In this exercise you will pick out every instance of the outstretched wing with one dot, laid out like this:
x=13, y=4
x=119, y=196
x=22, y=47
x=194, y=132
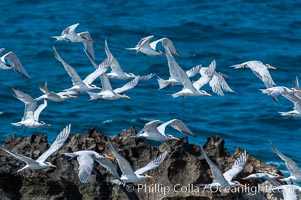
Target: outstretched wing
x=261, y=71
x=128, y=85
x=166, y=43
x=37, y=112
x=30, y=103
x=19, y=156
x=91, y=77
x=237, y=167
x=88, y=44
x=290, y=164
x=193, y=71
x=76, y=80
x=153, y=164
x=115, y=66
x=111, y=167
x=176, y=124
x=15, y=63
x=218, y=84
x=70, y=29
x=150, y=126
x=124, y=165
x=58, y=143
x=218, y=176
x=85, y=168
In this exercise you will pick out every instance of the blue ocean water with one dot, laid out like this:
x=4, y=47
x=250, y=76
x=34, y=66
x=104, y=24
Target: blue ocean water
x=230, y=32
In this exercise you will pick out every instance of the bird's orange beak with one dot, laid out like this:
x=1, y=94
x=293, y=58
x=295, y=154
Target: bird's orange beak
x=47, y=124
x=176, y=139
x=271, y=67
x=297, y=90
x=127, y=97
x=208, y=95
x=150, y=177
x=73, y=97
x=53, y=166
x=110, y=158
x=281, y=176
x=242, y=185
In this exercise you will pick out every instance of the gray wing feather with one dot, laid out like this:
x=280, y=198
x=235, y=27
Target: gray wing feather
x=88, y=45
x=290, y=164
x=176, y=124
x=30, y=103
x=57, y=144
x=153, y=164
x=85, y=167
x=76, y=80
x=16, y=64
x=37, y=112
x=128, y=85
x=193, y=71
x=216, y=172
x=111, y=167
x=237, y=167
x=124, y=165
x=19, y=156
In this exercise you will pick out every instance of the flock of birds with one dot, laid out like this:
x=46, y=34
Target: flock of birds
x=152, y=130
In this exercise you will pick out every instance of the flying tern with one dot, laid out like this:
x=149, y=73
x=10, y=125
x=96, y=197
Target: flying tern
x=260, y=70
x=276, y=91
x=52, y=96
x=154, y=132
x=173, y=79
x=295, y=172
x=116, y=71
x=80, y=85
x=216, y=80
x=180, y=74
x=40, y=162
x=264, y=176
x=130, y=176
x=289, y=192
x=69, y=34
x=108, y=93
x=86, y=159
x=225, y=179
x=31, y=112
x=295, y=98
x=145, y=47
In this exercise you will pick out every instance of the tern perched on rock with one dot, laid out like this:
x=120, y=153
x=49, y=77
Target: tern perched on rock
x=40, y=162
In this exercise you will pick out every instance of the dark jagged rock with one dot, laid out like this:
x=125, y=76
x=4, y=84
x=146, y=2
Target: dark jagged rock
x=176, y=178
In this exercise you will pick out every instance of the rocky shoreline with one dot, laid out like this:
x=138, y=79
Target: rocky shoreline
x=177, y=177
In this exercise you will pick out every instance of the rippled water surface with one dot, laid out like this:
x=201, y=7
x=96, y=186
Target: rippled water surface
x=231, y=33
